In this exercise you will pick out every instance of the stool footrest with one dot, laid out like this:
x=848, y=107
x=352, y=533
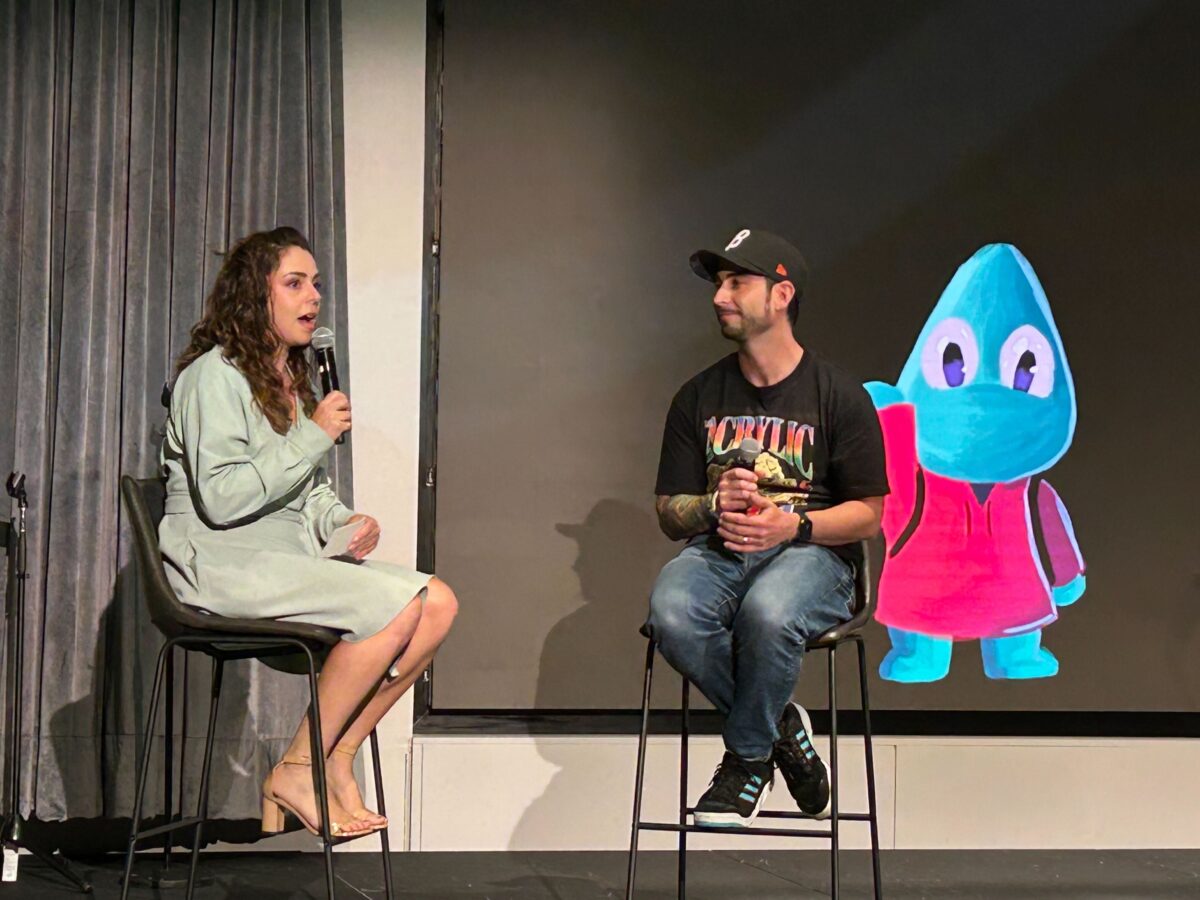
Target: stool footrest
x=163, y=829
x=842, y=817
x=345, y=838
x=733, y=829
x=783, y=814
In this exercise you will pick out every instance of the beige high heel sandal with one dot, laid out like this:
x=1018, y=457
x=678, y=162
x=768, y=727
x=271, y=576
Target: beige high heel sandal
x=273, y=807
x=362, y=813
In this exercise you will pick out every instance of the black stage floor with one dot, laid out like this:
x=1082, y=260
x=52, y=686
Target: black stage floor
x=713, y=875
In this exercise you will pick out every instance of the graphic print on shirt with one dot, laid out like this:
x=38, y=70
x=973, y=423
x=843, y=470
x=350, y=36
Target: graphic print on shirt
x=979, y=545
x=785, y=465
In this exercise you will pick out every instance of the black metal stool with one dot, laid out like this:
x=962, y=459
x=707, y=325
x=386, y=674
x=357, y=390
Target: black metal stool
x=864, y=606
x=290, y=647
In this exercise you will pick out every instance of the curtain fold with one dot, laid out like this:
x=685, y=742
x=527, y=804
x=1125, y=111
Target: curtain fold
x=138, y=139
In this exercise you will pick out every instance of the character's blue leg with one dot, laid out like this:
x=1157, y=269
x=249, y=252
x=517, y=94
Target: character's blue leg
x=1020, y=656
x=916, y=657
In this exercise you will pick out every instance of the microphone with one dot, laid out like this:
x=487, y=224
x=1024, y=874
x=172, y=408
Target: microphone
x=743, y=458
x=745, y=455
x=322, y=344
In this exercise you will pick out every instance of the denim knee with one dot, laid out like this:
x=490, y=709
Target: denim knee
x=669, y=618
x=766, y=620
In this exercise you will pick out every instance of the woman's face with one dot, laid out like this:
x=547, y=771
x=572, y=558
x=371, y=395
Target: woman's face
x=295, y=297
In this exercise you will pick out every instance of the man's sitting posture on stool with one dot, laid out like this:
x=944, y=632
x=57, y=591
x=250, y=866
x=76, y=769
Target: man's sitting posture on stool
x=771, y=548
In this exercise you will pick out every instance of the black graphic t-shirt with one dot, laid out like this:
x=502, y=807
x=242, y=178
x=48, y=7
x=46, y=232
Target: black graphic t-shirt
x=819, y=434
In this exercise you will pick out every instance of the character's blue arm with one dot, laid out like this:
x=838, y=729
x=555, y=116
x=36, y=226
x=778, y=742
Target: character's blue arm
x=1066, y=594
x=883, y=394
x=1068, y=576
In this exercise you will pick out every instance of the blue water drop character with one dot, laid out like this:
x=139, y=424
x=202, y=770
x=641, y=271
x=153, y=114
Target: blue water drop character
x=979, y=545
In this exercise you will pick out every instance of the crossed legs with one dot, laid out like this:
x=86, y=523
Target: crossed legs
x=355, y=691
x=736, y=627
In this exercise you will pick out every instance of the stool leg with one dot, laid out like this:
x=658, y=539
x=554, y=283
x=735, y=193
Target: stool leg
x=683, y=780
x=202, y=813
x=181, y=762
x=835, y=879
x=169, y=759
x=870, y=754
x=641, y=771
x=155, y=692
x=318, y=756
x=383, y=832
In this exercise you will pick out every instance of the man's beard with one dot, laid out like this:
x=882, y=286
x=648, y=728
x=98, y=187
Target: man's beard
x=734, y=332
x=741, y=329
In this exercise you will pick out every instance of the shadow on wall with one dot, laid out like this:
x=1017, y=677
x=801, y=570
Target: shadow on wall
x=619, y=556
x=620, y=553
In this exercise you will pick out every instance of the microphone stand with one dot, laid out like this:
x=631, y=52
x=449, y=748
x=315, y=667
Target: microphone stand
x=13, y=825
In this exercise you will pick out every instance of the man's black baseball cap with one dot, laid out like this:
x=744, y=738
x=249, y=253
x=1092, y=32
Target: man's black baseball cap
x=756, y=252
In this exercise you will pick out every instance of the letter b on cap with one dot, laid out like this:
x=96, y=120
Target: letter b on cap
x=738, y=238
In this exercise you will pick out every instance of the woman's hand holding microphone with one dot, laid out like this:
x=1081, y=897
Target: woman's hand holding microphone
x=333, y=414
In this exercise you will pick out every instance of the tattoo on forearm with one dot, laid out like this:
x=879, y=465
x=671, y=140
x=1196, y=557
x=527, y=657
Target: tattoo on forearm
x=684, y=515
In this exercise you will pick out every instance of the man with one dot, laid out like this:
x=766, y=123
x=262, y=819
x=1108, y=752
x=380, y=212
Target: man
x=772, y=470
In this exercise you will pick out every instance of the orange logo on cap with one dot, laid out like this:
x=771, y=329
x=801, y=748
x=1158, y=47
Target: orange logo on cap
x=781, y=270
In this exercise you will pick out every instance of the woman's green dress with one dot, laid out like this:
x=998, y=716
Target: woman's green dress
x=248, y=510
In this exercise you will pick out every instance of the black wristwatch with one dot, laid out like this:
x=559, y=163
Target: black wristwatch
x=804, y=530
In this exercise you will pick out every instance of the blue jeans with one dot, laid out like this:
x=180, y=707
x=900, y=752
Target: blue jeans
x=736, y=626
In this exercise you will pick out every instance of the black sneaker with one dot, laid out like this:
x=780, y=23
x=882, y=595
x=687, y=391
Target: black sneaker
x=806, y=775
x=736, y=792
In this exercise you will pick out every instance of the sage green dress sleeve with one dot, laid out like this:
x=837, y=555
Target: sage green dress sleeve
x=248, y=510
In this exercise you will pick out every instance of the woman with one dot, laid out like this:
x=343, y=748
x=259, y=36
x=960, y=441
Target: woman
x=249, y=507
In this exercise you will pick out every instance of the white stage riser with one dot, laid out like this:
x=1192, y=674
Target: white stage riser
x=575, y=793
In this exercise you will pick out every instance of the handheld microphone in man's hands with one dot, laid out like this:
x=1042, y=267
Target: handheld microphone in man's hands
x=743, y=458
x=745, y=455
x=322, y=344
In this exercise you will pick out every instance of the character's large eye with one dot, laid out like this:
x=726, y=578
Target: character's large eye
x=1027, y=362
x=950, y=357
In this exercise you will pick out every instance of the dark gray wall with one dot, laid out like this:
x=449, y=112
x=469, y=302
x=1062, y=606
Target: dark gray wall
x=590, y=147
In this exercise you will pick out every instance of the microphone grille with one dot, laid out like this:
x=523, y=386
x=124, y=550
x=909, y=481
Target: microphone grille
x=322, y=339
x=751, y=447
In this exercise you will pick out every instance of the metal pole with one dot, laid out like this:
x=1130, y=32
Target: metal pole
x=169, y=758
x=835, y=883
x=683, y=778
x=383, y=832
x=143, y=776
x=317, y=752
x=202, y=814
x=641, y=771
x=868, y=746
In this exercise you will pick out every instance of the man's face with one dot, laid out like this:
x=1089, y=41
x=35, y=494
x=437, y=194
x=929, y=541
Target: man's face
x=743, y=305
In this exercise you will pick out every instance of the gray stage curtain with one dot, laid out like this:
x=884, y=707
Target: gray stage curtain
x=138, y=139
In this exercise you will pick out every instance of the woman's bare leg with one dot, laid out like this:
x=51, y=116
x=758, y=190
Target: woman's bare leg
x=439, y=609
x=351, y=671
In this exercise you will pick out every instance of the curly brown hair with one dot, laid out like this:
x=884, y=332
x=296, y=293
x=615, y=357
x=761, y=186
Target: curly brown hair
x=237, y=318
